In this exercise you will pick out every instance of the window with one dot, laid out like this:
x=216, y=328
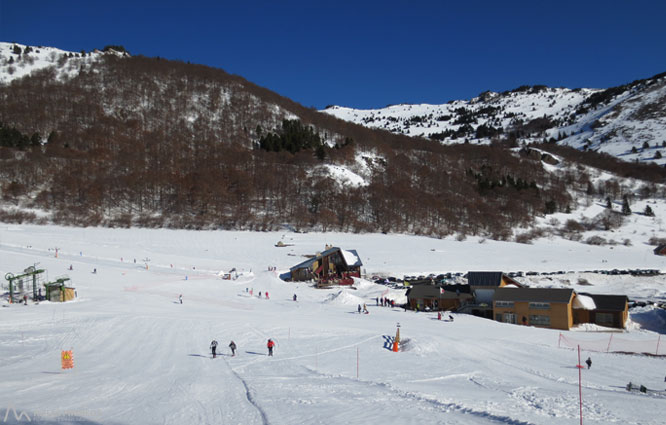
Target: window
x=503, y=303
x=604, y=319
x=540, y=306
x=539, y=320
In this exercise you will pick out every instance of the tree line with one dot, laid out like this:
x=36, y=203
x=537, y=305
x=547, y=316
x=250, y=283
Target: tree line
x=149, y=142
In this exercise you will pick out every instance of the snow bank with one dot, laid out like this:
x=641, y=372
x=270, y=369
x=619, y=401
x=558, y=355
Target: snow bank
x=650, y=318
x=343, y=297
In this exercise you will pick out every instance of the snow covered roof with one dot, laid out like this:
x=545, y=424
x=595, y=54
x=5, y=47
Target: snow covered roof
x=351, y=258
x=584, y=302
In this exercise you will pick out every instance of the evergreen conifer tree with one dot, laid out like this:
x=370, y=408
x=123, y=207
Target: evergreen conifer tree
x=625, y=206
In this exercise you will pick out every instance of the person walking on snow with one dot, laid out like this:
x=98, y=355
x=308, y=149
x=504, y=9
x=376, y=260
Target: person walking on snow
x=588, y=362
x=232, y=345
x=359, y=309
x=180, y=298
x=213, y=347
x=295, y=297
x=270, y=346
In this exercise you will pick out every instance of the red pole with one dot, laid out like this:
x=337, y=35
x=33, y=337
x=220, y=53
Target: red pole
x=580, y=386
x=656, y=353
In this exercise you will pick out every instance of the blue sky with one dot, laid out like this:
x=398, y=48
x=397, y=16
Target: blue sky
x=368, y=54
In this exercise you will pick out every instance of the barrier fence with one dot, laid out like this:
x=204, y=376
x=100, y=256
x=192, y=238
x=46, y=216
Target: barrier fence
x=614, y=344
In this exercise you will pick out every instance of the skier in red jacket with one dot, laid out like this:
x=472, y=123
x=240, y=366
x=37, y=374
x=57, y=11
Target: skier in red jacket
x=270, y=346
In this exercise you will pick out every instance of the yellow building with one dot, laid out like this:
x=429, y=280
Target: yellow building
x=543, y=307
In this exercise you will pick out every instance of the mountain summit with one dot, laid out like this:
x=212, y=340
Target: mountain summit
x=628, y=121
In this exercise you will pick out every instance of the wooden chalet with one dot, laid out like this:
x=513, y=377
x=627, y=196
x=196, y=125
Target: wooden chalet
x=333, y=266
x=543, y=307
x=438, y=297
x=611, y=311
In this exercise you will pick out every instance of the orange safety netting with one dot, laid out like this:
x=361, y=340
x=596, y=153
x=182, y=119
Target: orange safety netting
x=614, y=344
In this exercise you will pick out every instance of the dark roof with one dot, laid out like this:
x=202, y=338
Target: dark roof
x=421, y=291
x=659, y=249
x=484, y=278
x=463, y=289
x=305, y=264
x=550, y=295
x=308, y=263
x=435, y=291
x=609, y=302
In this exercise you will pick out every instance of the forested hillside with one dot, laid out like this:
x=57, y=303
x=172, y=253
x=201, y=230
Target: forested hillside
x=136, y=141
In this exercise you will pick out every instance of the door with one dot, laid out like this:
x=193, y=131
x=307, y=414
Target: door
x=510, y=318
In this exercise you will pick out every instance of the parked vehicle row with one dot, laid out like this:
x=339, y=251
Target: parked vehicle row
x=443, y=277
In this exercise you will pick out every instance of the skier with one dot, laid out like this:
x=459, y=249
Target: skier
x=270, y=346
x=365, y=309
x=450, y=318
x=259, y=294
x=232, y=345
x=359, y=309
x=266, y=293
x=70, y=267
x=295, y=297
x=588, y=362
x=94, y=271
x=439, y=315
x=213, y=347
x=376, y=300
x=180, y=298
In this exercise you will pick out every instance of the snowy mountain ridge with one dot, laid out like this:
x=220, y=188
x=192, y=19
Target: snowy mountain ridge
x=19, y=60
x=628, y=121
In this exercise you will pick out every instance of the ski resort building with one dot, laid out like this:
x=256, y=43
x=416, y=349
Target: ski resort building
x=438, y=297
x=611, y=311
x=333, y=266
x=543, y=307
x=483, y=286
x=58, y=292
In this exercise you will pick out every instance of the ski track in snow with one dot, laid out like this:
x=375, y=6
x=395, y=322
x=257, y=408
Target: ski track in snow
x=141, y=357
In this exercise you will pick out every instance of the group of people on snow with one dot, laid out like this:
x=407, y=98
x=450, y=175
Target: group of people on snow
x=232, y=346
x=385, y=302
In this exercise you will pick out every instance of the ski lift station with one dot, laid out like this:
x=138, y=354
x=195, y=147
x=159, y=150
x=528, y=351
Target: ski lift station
x=31, y=284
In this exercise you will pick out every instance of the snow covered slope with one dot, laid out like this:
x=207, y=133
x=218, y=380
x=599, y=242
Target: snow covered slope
x=618, y=121
x=140, y=357
x=18, y=60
